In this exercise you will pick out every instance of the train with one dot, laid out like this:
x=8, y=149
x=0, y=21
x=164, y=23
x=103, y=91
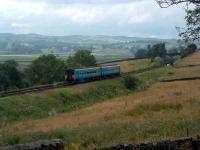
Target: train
x=92, y=73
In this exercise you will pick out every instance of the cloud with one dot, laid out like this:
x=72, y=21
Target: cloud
x=84, y=1
x=111, y=17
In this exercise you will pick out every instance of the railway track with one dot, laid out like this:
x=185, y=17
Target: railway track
x=64, y=84
x=60, y=85
x=33, y=89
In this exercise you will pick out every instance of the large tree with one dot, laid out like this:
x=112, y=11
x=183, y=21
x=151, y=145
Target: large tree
x=46, y=69
x=167, y=3
x=157, y=50
x=81, y=58
x=10, y=77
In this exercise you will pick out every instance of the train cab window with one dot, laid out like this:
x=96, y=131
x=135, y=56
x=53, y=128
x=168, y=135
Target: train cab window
x=69, y=75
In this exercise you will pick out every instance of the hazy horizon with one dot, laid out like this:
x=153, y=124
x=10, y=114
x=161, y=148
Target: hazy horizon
x=176, y=38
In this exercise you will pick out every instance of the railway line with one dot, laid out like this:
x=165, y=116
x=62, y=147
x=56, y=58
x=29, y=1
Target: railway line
x=64, y=84
x=61, y=84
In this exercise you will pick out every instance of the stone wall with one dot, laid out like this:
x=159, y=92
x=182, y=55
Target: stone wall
x=39, y=145
x=181, y=144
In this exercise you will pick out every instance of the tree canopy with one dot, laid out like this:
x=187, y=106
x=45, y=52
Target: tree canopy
x=45, y=70
x=157, y=50
x=192, y=31
x=81, y=58
x=167, y=3
x=189, y=50
x=10, y=77
x=141, y=53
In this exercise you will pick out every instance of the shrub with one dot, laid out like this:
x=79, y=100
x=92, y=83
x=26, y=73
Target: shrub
x=131, y=82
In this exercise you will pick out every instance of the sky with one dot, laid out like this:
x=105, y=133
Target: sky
x=138, y=18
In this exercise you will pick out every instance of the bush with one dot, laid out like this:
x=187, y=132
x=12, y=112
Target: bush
x=158, y=62
x=131, y=82
x=189, y=50
x=141, y=53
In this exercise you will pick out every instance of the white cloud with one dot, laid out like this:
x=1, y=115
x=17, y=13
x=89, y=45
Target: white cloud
x=10, y=7
x=124, y=17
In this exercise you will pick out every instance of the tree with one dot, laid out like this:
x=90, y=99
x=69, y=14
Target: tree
x=81, y=58
x=167, y=3
x=157, y=50
x=189, y=50
x=46, y=69
x=10, y=77
x=192, y=32
x=141, y=53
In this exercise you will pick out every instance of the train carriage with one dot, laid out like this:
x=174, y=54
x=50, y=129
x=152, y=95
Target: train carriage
x=87, y=73
x=91, y=73
x=72, y=75
x=112, y=70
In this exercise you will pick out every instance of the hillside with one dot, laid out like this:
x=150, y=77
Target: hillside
x=34, y=43
x=25, y=48
x=106, y=113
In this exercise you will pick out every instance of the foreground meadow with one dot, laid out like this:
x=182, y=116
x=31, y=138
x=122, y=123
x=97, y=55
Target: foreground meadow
x=95, y=115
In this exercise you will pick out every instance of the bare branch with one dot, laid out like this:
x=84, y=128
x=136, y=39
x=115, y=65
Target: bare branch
x=167, y=3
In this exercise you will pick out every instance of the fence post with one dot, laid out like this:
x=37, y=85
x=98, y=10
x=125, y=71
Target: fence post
x=187, y=132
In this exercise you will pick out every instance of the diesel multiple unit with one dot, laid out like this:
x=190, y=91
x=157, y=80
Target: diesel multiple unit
x=91, y=73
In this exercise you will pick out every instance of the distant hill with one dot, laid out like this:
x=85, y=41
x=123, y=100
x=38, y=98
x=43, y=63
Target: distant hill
x=37, y=44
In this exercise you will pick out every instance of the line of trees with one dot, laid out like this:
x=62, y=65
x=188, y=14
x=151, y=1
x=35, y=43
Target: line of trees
x=46, y=69
x=159, y=51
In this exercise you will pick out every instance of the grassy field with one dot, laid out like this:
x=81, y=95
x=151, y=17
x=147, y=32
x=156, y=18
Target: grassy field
x=96, y=117
x=39, y=105
x=101, y=56
x=135, y=65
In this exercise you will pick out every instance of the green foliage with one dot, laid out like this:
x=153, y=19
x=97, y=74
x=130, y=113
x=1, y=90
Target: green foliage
x=45, y=70
x=10, y=75
x=81, y=58
x=192, y=18
x=189, y=50
x=131, y=82
x=157, y=50
x=59, y=100
x=62, y=100
x=158, y=62
x=141, y=53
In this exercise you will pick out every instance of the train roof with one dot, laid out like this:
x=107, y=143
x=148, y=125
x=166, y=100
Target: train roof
x=91, y=67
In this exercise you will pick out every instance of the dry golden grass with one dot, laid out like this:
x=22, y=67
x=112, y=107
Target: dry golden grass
x=194, y=59
x=161, y=92
x=133, y=65
x=164, y=110
x=185, y=72
x=187, y=67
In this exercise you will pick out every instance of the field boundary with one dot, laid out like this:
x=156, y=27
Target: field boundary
x=181, y=79
x=179, y=144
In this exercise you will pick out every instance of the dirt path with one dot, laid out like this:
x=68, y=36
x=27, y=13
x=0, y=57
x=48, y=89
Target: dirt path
x=165, y=92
